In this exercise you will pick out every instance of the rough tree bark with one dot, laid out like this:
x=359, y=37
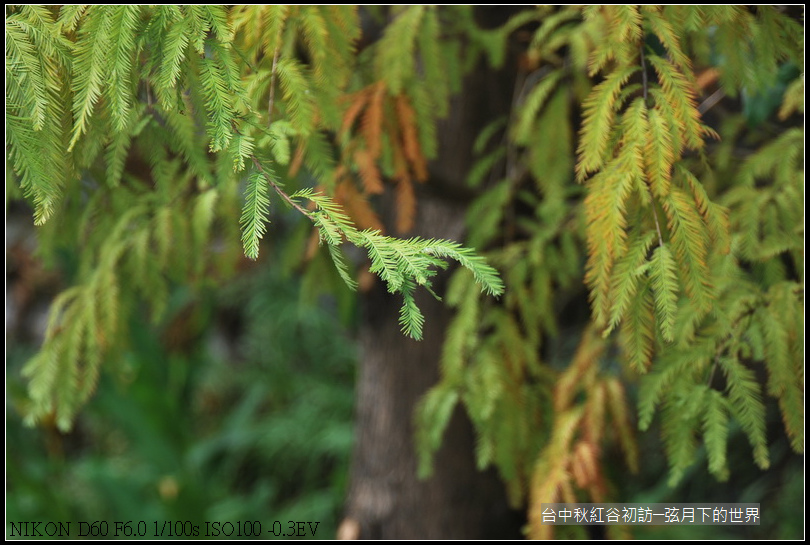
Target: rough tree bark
x=386, y=500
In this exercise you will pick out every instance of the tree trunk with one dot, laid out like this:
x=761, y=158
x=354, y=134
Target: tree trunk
x=386, y=499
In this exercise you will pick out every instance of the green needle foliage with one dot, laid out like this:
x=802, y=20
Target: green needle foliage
x=692, y=256
x=672, y=207
x=402, y=264
x=131, y=129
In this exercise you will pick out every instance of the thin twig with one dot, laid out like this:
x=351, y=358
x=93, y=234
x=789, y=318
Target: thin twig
x=709, y=103
x=644, y=90
x=643, y=73
x=657, y=225
x=278, y=189
x=272, y=87
x=518, y=92
x=711, y=375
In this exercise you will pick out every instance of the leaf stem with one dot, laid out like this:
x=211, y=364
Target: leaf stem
x=644, y=90
x=643, y=72
x=711, y=375
x=272, y=97
x=278, y=189
x=655, y=217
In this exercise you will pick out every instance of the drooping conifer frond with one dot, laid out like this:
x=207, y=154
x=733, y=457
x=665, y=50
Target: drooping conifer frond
x=395, y=60
x=219, y=101
x=599, y=116
x=296, y=92
x=664, y=284
x=140, y=82
x=37, y=64
x=255, y=212
x=90, y=69
x=134, y=130
x=663, y=233
x=402, y=264
x=747, y=406
x=119, y=92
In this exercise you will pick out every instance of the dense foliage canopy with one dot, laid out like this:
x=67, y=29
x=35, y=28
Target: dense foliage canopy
x=653, y=157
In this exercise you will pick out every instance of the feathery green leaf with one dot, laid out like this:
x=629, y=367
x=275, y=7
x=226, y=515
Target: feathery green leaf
x=664, y=283
x=255, y=212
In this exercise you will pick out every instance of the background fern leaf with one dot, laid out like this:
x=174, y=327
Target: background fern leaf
x=296, y=93
x=395, y=54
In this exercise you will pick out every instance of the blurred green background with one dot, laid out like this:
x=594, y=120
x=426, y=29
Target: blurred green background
x=220, y=412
